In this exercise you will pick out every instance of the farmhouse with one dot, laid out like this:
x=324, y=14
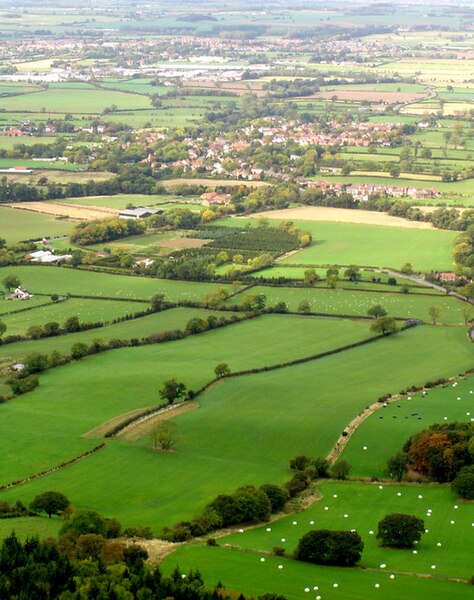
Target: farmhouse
x=19, y=294
x=138, y=213
x=447, y=277
x=213, y=198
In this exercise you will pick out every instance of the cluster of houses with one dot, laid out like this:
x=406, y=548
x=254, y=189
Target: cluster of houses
x=223, y=157
x=362, y=191
x=305, y=134
x=215, y=199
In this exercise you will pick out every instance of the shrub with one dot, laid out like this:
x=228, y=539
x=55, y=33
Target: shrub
x=463, y=484
x=277, y=496
x=79, y=350
x=141, y=532
x=279, y=551
x=340, y=470
x=325, y=547
x=85, y=521
x=22, y=385
x=36, y=362
x=300, y=463
x=321, y=465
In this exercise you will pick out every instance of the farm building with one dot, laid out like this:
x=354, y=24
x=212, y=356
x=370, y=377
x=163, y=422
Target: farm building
x=212, y=198
x=19, y=294
x=138, y=213
x=46, y=256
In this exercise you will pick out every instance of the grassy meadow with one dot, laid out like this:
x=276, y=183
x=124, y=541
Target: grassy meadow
x=64, y=280
x=357, y=303
x=243, y=570
x=303, y=406
x=371, y=245
x=115, y=392
x=17, y=225
x=87, y=311
x=365, y=505
x=175, y=318
x=399, y=420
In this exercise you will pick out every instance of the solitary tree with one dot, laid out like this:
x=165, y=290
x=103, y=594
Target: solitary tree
x=332, y=280
x=172, y=390
x=3, y=328
x=164, y=435
x=407, y=269
x=377, y=311
x=400, y=531
x=222, y=369
x=52, y=503
x=10, y=282
x=325, y=547
x=435, y=312
x=384, y=325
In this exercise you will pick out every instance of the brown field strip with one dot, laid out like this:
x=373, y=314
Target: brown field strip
x=342, y=215
x=371, y=96
x=147, y=425
x=75, y=212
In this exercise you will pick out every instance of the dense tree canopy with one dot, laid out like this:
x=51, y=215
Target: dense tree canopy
x=326, y=547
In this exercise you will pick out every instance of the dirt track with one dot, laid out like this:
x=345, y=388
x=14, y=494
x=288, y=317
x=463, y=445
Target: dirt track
x=342, y=215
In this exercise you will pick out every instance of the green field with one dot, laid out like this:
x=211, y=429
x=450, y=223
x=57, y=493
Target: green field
x=88, y=311
x=307, y=418
x=395, y=423
x=30, y=526
x=366, y=505
x=294, y=272
x=63, y=280
x=17, y=225
x=344, y=243
x=243, y=571
x=175, y=318
x=349, y=506
x=346, y=302
x=82, y=101
x=116, y=393
x=371, y=245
